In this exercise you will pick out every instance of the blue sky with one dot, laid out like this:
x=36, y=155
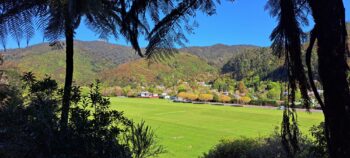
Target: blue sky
x=241, y=22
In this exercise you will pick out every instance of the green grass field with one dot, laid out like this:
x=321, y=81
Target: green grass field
x=188, y=130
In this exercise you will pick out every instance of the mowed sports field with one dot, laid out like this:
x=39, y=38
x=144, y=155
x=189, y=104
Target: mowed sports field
x=188, y=130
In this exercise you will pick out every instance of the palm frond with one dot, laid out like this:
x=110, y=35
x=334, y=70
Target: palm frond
x=16, y=19
x=287, y=38
x=168, y=32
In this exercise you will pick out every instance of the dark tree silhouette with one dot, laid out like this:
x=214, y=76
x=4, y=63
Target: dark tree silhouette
x=286, y=39
x=331, y=35
x=60, y=18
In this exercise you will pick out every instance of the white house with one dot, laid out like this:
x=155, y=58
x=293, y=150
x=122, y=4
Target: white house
x=145, y=94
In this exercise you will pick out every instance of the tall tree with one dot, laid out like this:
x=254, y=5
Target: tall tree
x=331, y=35
x=60, y=18
x=286, y=39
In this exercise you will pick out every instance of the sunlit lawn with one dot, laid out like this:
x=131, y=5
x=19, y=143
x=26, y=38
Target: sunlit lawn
x=188, y=130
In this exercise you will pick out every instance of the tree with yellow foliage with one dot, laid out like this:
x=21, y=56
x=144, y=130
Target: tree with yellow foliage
x=205, y=97
x=224, y=98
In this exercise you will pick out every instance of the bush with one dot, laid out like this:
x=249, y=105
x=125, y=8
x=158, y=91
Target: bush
x=118, y=91
x=245, y=100
x=205, y=97
x=142, y=142
x=320, y=141
x=131, y=94
x=233, y=149
x=108, y=92
x=192, y=96
x=189, y=96
x=216, y=98
x=264, y=102
x=259, y=148
x=31, y=128
x=182, y=95
x=224, y=98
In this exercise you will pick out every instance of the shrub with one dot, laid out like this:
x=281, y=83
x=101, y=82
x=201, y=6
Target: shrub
x=108, y=92
x=241, y=87
x=224, y=98
x=142, y=142
x=181, y=88
x=189, y=96
x=216, y=98
x=205, y=97
x=182, y=95
x=31, y=128
x=35, y=125
x=126, y=90
x=192, y=96
x=245, y=100
x=264, y=102
x=259, y=148
x=242, y=147
x=320, y=141
x=118, y=91
x=131, y=93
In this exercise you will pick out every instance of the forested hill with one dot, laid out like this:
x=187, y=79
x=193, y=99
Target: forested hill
x=98, y=59
x=219, y=54
x=90, y=59
x=182, y=66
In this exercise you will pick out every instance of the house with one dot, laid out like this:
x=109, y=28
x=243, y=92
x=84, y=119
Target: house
x=145, y=94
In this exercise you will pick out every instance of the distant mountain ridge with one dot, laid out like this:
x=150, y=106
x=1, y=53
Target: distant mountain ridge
x=219, y=54
x=95, y=58
x=99, y=59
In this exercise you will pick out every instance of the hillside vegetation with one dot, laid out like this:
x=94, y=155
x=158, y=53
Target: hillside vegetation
x=219, y=54
x=115, y=64
x=181, y=66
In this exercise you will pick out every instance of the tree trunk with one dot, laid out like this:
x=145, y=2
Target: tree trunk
x=68, y=79
x=329, y=18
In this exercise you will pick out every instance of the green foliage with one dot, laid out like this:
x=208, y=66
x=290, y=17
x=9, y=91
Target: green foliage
x=233, y=149
x=142, y=141
x=224, y=83
x=118, y=65
x=32, y=127
x=35, y=125
x=274, y=94
x=258, y=62
x=182, y=88
x=126, y=90
x=216, y=98
x=218, y=55
x=320, y=141
x=260, y=148
x=264, y=102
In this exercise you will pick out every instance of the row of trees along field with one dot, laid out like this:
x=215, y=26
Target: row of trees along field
x=223, y=89
x=59, y=19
